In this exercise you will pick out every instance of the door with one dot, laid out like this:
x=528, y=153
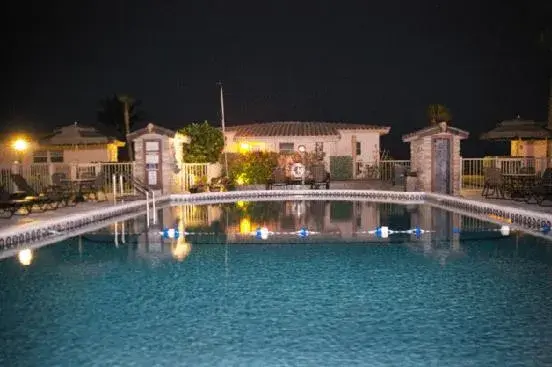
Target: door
x=441, y=165
x=152, y=151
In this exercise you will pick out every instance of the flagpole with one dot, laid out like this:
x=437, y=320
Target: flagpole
x=222, y=124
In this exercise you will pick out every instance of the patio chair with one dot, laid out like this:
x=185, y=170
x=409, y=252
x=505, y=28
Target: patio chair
x=63, y=189
x=542, y=190
x=94, y=188
x=219, y=184
x=278, y=178
x=319, y=177
x=493, y=182
x=44, y=201
x=10, y=205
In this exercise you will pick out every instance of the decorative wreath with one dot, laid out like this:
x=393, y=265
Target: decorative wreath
x=298, y=170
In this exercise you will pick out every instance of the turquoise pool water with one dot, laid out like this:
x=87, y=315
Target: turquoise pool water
x=336, y=298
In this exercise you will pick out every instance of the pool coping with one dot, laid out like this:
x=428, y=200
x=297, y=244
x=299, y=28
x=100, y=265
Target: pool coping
x=42, y=232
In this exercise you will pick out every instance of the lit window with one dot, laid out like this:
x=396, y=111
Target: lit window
x=56, y=156
x=40, y=156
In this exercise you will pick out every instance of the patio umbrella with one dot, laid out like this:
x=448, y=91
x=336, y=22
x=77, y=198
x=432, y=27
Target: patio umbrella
x=76, y=134
x=518, y=129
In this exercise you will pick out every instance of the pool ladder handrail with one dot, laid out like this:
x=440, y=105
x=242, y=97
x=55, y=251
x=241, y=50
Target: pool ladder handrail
x=137, y=185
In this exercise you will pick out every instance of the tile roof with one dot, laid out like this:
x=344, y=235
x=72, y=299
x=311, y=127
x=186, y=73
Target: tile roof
x=299, y=128
x=76, y=134
x=436, y=129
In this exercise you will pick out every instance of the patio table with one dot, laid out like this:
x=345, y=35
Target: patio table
x=78, y=184
x=519, y=185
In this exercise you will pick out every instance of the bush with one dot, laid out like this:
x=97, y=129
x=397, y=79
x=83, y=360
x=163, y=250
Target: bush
x=251, y=168
x=206, y=143
x=341, y=167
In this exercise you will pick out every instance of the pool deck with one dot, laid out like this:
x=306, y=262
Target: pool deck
x=21, y=221
x=476, y=195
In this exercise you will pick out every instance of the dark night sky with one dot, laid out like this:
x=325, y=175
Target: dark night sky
x=382, y=62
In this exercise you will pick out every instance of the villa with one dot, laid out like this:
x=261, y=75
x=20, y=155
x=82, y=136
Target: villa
x=68, y=144
x=361, y=142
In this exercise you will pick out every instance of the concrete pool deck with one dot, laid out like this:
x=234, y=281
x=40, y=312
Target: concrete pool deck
x=21, y=221
x=38, y=229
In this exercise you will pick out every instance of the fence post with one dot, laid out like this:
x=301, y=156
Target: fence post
x=114, y=182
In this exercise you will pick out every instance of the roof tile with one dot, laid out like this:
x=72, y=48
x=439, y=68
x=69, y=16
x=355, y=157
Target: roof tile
x=299, y=128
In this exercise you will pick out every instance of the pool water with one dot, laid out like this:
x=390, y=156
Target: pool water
x=330, y=301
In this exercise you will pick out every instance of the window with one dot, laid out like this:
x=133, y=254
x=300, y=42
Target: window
x=286, y=148
x=40, y=156
x=319, y=150
x=56, y=156
x=358, y=148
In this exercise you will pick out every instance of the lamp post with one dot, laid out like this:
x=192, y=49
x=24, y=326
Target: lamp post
x=20, y=146
x=302, y=150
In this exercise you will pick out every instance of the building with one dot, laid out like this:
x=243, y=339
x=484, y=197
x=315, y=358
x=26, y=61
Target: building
x=527, y=138
x=74, y=143
x=360, y=142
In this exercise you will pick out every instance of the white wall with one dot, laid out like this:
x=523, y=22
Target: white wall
x=333, y=145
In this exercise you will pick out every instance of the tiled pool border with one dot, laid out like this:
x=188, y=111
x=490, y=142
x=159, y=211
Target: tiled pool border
x=19, y=236
x=16, y=237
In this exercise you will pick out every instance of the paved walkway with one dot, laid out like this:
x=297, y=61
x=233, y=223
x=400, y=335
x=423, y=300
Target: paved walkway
x=21, y=220
x=476, y=195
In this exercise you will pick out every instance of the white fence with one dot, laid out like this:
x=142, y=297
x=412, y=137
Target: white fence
x=473, y=169
x=190, y=174
x=39, y=175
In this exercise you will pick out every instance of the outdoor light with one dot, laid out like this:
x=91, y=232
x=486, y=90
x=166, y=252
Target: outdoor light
x=244, y=147
x=25, y=257
x=302, y=148
x=20, y=145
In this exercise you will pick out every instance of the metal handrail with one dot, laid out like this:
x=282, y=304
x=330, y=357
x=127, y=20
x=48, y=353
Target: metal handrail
x=142, y=187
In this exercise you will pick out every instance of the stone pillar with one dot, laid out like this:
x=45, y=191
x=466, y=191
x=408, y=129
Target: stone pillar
x=353, y=153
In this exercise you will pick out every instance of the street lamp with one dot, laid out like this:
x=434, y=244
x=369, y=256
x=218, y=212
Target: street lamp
x=302, y=150
x=20, y=145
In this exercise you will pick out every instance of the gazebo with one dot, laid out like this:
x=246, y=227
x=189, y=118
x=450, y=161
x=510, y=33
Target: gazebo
x=527, y=137
x=79, y=143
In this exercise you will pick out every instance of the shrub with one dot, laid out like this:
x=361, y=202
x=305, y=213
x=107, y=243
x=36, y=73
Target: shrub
x=341, y=167
x=251, y=168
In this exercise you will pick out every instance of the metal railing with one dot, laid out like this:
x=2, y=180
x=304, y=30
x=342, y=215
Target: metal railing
x=190, y=174
x=473, y=169
x=39, y=175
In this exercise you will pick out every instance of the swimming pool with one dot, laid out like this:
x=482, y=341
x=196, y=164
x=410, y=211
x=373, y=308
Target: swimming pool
x=339, y=294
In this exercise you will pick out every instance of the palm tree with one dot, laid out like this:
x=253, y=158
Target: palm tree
x=438, y=113
x=120, y=113
x=545, y=42
x=127, y=101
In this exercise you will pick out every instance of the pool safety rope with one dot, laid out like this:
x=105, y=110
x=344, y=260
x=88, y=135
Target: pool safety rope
x=264, y=233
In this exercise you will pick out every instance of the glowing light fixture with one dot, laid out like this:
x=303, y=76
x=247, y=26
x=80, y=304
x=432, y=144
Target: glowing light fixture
x=245, y=147
x=20, y=145
x=302, y=148
x=245, y=226
x=25, y=257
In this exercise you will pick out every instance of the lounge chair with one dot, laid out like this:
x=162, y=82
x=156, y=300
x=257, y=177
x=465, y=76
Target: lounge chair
x=94, y=188
x=51, y=199
x=319, y=177
x=10, y=205
x=278, y=178
x=542, y=189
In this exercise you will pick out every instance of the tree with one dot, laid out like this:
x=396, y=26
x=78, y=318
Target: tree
x=206, y=143
x=438, y=113
x=127, y=101
x=120, y=113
